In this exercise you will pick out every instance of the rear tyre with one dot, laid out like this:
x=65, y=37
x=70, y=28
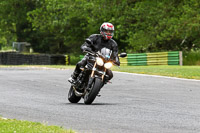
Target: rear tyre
x=95, y=88
x=72, y=97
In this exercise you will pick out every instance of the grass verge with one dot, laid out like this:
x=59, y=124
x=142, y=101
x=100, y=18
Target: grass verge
x=189, y=72
x=40, y=66
x=17, y=126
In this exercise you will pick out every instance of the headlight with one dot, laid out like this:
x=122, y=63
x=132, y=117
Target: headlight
x=108, y=65
x=99, y=61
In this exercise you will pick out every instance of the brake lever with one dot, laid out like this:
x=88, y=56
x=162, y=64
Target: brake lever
x=115, y=64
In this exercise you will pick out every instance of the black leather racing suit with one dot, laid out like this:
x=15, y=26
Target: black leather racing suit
x=97, y=43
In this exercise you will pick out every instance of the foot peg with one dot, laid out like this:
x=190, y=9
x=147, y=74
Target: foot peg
x=71, y=80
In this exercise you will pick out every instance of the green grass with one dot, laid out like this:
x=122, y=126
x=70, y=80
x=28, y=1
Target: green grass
x=18, y=126
x=41, y=66
x=189, y=72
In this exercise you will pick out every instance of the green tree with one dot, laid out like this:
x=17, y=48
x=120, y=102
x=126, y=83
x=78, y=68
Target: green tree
x=165, y=25
x=61, y=26
x=71, y=22
x=13, y=23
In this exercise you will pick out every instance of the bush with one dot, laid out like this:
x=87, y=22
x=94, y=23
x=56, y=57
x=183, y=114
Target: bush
x=191, y=58
x=74, y=59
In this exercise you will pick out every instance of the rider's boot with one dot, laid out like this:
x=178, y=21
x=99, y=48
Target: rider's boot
x=73, y=77
x=75, y=74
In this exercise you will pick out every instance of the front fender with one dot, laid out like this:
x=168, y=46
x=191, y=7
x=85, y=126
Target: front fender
x=93, y=92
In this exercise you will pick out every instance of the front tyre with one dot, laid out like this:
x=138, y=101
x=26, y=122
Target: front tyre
x=95, y=88
x=72, y=97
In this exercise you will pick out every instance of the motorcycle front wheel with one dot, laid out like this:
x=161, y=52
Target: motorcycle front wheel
x=72, y=96
x=94, y=90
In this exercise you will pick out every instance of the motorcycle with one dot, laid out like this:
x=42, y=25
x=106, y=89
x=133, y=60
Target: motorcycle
x=92, y=77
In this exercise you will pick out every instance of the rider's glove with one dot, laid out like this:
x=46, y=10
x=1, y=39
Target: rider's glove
x=87, y=49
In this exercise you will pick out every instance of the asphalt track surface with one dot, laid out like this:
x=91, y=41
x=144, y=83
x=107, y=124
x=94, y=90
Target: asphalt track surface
x=133, y=103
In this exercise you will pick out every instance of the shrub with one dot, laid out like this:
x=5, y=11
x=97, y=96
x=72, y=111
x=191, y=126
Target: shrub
x=191, y=58
x=74, y=59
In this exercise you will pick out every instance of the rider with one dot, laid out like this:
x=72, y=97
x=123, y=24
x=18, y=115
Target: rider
x=95, y=43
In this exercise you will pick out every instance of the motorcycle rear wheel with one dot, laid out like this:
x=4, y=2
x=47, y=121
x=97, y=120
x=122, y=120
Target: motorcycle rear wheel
x=72, y=96
x=95, y=88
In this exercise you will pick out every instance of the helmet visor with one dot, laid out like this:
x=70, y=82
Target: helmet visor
x=108, y=31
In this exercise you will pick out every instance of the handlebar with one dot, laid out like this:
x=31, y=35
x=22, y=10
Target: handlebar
x=93, y=53
x=98, y=54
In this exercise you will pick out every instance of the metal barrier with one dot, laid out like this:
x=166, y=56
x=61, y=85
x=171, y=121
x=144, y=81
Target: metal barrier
x=157, y=58
x=67, y=59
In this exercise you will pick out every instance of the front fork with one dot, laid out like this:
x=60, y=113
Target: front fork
x=93, y=69
x=92, y=76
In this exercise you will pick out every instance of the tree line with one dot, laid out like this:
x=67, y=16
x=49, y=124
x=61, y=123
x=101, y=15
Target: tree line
x=61, y=26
